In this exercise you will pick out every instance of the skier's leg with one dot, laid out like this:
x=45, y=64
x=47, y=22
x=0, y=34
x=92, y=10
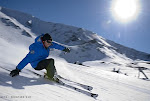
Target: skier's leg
x=51, y=69
x=42, y=64
x=47, y=64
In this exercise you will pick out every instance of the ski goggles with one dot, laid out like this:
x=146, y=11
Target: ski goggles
x=49, y=41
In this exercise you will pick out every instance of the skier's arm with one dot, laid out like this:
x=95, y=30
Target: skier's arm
x=57, y=46
x=30, y=57
x=25, y=61
x=21, y=65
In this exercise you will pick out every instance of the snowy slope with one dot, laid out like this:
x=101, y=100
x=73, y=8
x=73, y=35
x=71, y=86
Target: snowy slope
x=100, y=57
x=109, y=86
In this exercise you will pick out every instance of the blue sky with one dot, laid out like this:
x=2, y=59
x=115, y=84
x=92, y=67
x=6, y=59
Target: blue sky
x=94, y=15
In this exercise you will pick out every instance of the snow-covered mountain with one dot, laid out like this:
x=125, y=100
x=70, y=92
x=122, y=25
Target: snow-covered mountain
x=97, y=55
x=86, y=45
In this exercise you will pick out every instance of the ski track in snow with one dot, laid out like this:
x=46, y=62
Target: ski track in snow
x=123, y=84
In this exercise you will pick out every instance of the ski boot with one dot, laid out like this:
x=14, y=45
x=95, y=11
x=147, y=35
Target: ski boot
x=55, y=78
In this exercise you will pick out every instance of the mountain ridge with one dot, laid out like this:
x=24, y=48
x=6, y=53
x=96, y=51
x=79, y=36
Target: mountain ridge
x=85, y=45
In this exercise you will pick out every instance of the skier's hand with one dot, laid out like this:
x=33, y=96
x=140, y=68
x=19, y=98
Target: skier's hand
x=67, y=50
x=14, y=72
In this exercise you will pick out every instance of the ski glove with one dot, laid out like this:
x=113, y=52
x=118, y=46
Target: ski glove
x=67, y=50
x=14, y=72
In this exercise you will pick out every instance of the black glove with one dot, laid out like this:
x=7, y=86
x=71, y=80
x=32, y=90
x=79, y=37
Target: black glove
x=67, y=50
x=14, y=72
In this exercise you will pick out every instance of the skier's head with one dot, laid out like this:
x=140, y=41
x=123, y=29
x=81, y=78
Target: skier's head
x=46, y=37
x=47, y=40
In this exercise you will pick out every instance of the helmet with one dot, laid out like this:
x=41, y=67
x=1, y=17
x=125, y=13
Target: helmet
x=46, y=37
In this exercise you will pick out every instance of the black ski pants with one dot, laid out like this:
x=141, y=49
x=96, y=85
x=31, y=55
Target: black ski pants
x=47, y=64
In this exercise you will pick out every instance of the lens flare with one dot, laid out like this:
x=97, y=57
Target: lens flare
x=125, y=10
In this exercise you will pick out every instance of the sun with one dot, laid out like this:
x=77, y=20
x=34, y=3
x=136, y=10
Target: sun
x=125, y=10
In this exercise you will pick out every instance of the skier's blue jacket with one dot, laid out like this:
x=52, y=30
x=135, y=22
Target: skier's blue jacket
x=37, y=52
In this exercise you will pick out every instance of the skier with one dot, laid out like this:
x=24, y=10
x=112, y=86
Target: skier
x=38, y=52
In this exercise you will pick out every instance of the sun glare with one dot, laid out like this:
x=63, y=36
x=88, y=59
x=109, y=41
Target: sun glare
x=125, y=10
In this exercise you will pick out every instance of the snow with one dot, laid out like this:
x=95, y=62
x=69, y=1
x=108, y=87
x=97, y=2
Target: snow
x=97, y=58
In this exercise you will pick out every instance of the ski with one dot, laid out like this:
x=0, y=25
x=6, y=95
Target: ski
x=79, y=90
x=81, y=85
x=68, y=86
x=89, y=88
